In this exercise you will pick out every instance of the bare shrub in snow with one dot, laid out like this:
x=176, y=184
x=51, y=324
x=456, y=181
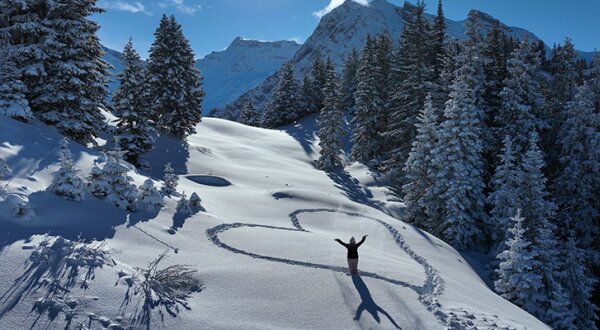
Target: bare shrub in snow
x=169, y=287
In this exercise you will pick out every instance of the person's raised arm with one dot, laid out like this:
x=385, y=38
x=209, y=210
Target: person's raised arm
x=362, y=240
x=340, y=241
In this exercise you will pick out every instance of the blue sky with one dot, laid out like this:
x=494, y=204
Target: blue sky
x=211, y=25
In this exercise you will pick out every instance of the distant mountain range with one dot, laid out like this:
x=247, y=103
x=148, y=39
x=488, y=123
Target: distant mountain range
x=248, y=69
x=347, y=27
x=243, y=65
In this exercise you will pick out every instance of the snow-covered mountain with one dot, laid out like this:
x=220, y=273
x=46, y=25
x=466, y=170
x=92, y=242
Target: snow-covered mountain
x=347, y=27
x=264, y=246
x=242, y=66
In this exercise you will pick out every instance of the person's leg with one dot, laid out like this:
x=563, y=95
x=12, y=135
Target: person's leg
x=352, y=266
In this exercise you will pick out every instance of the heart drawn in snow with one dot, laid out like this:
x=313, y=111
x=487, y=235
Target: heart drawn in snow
x=428, y=292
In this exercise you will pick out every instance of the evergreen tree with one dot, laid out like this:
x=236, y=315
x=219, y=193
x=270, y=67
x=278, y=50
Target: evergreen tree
x=418, y=166
x=169, y=185
x=183, y=206
x=578, y=179
x=74, y=83
x=249, y=115
x=316, y=84
x=13, y=102
x=562, y=90
x=5, y=172
x=438, y=43
x=149, y=195
x=111, y=182
x=366, y=142
x=517, y=281
x=579, y=283
x=285, y=103
x=331, y=123
x=593, y=80
x=457, y=189
x=496, y=71
x=66, y=183
x=521, y=98
x=533, y=192
x=503, y=199
x=349, y=79
x=408, y=96
x=21, y=28
x=175, y=82
x=133, y=135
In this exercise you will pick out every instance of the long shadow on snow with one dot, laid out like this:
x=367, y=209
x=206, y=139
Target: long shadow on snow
x=368, y=304
x=91, y=219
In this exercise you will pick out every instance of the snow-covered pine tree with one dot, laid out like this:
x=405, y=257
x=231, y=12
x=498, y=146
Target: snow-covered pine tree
x=149, y=195
x=331, y=123
x=66, y=182
x=249, y=115
x=349, y=72
x=551, y=304
x=438, y=42
x=562, y=90
x=495, y=72
x=5, y=172
x=74, y=85
x=578, y=282
x=578, y=178
x=532, y=187
x=418, y=166
x=593, y=79
x=408, y=95
x=366, y=140
x=517, y=281
x=521, y=99
x=285, y=103
x=316, y=83
x=183, y=206
x=21, y=26
x=504, y=200
x=383, y=58
x=112, y=183
x=13, y=102
x=457, y=189
x=174, y=81
x=134, y=133
x=170, y=180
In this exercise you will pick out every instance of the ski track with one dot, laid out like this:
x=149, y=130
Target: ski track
x=428, y=293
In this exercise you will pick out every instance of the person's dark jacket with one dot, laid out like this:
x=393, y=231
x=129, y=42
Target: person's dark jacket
x=352, y=248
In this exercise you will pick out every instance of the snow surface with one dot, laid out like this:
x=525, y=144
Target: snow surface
x=264, y=248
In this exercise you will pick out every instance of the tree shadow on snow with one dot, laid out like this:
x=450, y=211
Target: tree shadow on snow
x=353, y=189
x=167, y=149
x=368, y=304
x=304, y=132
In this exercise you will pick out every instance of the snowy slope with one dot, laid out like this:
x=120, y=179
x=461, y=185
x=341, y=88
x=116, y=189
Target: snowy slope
x=242, y=66
x=263, y=249
x=346, y=27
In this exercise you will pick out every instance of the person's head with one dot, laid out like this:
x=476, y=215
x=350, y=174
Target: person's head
x=352, y=240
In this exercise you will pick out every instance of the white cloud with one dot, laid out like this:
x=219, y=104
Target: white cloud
x=181, y=6
x=135, y=7
x=333, y=4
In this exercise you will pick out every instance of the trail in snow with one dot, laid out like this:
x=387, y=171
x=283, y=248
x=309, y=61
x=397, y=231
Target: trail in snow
x=428, y=293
